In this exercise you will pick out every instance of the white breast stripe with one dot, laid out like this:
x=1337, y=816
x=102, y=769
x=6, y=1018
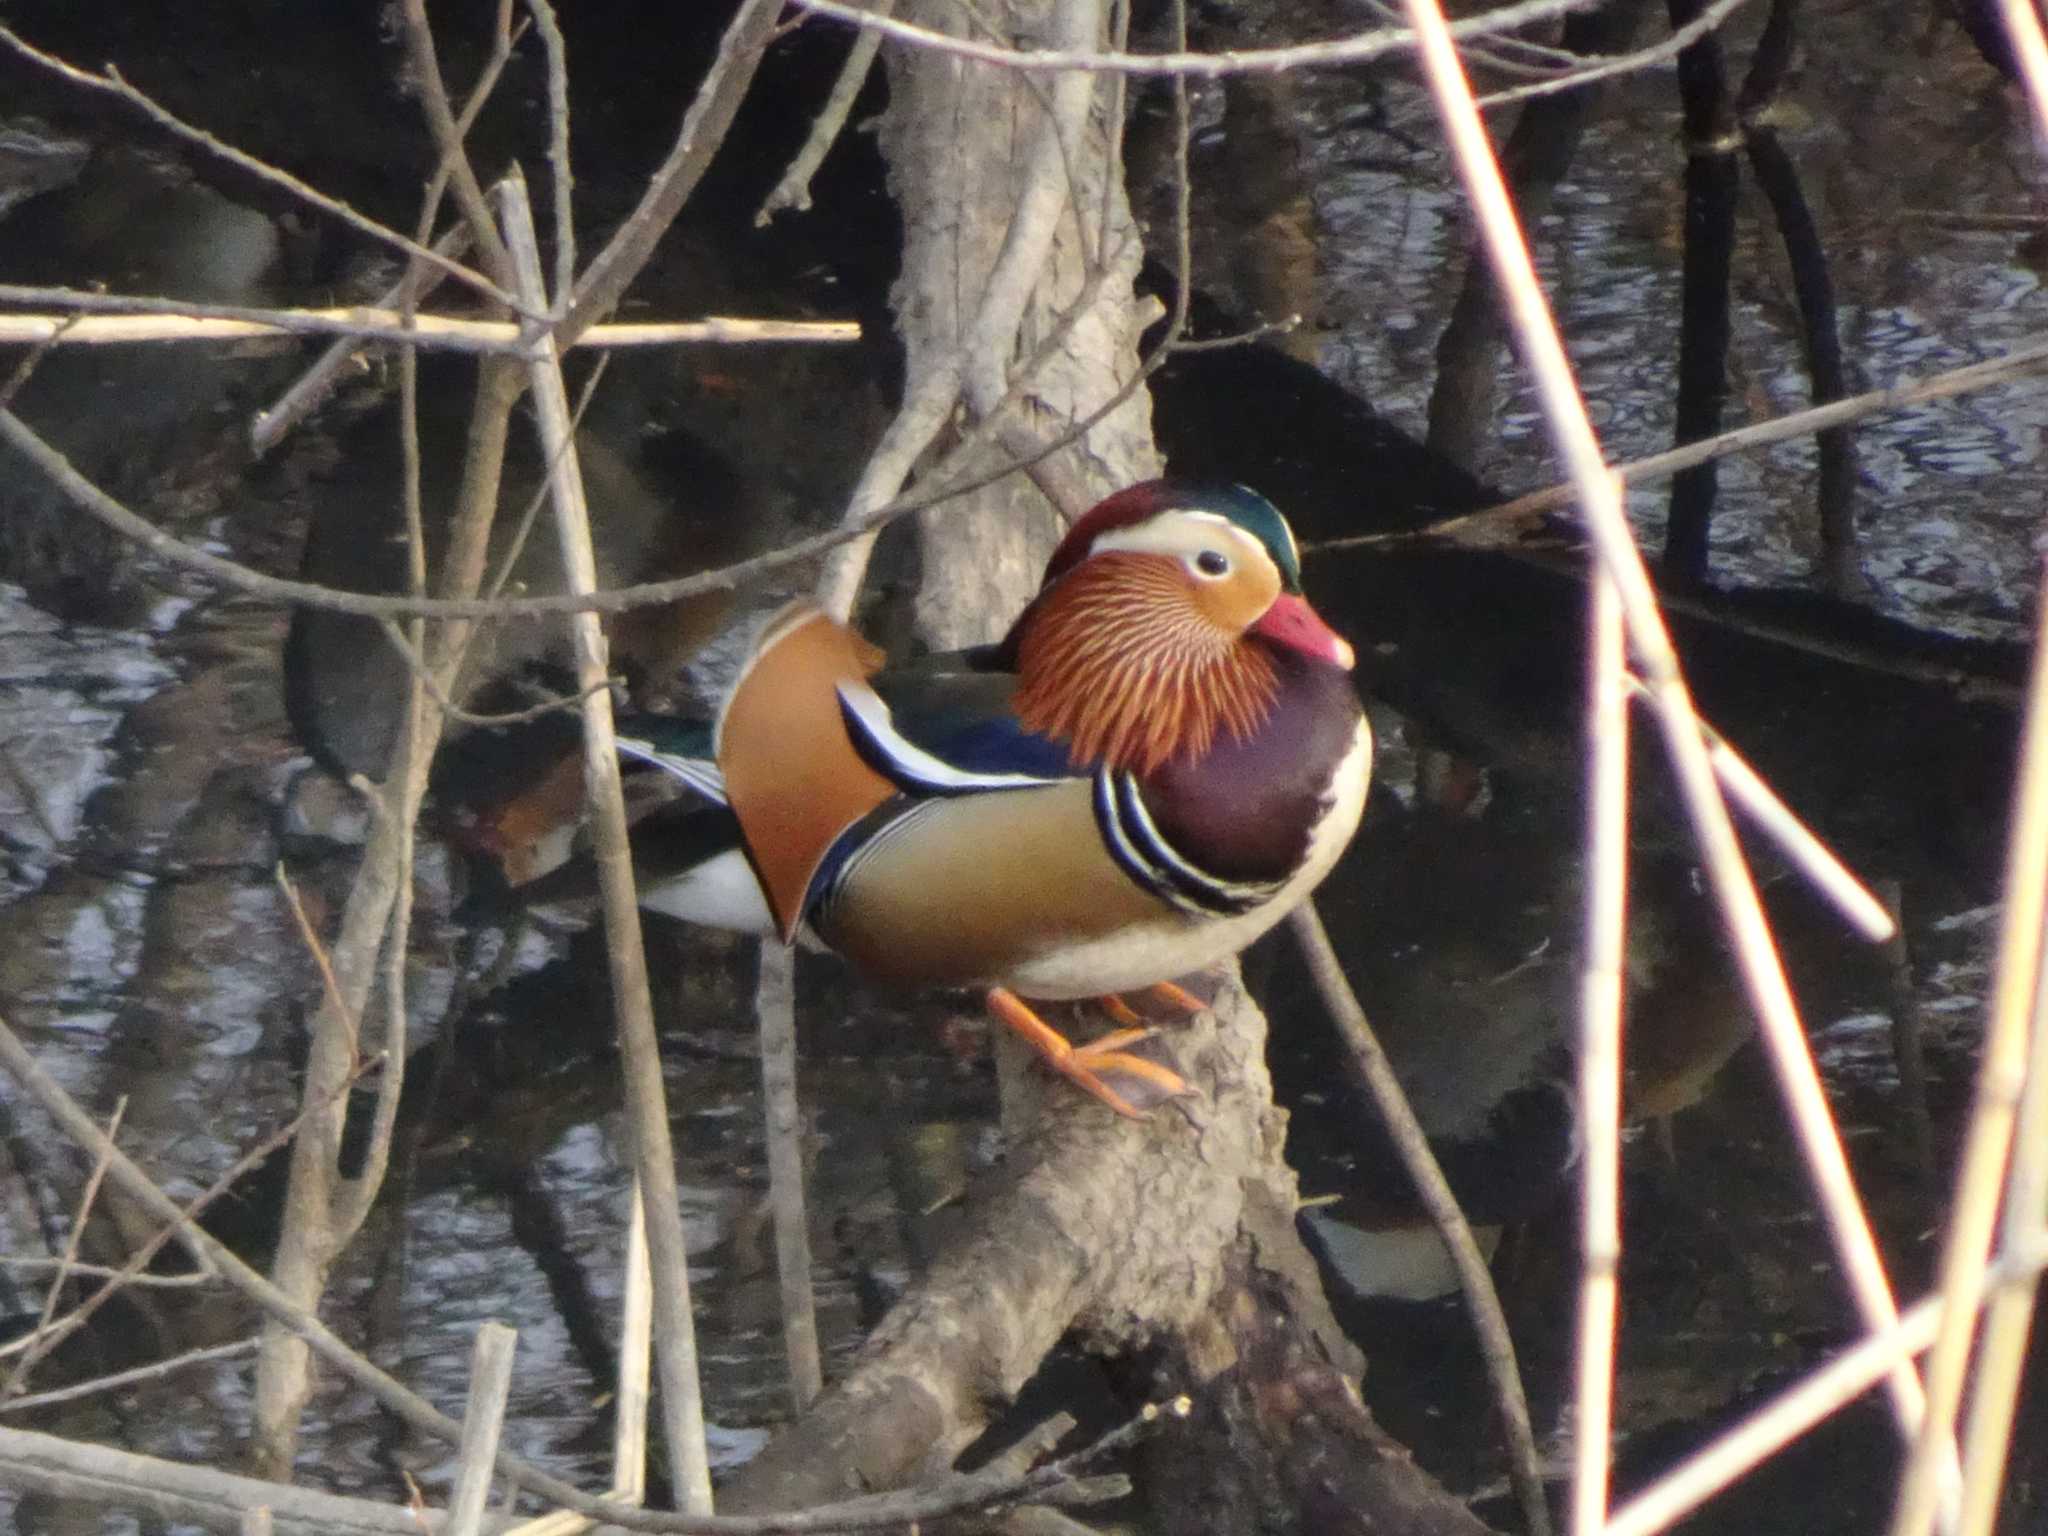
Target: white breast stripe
x=1209, y=893
x=868, y=718
x=699, y=773
x=1129, y=858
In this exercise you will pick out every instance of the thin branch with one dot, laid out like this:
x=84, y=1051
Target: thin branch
x=794, y=189
x=1635, y=62
x=1358, y=48
x=1794, y=424
x=1482, y=1302
x=561, y=174
x=113, y=85
x=432, y=92
x=155, y=1371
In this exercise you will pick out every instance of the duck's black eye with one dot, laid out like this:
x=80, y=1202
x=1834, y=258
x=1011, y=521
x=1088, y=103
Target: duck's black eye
x=1213, y=562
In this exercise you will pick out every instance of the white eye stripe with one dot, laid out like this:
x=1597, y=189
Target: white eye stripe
x=1185, y=535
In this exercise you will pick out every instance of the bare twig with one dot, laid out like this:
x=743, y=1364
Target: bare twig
x=775, y=1009
x=794, y=189
x=1482, y=1302
x=1583, y=74
x=1359, y=48
x=432, y=92
x=155, y=1371
x=561, y=175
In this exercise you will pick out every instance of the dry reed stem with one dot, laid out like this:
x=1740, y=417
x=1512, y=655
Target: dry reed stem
x=483, y=1418
x=1601, y=501
x=2003, y=1349
x=1482, y=1301
x=368, y=324
x=646, y=1101
x=2003, y=1352
x=1601, y=991
x=636, y=1341
x=1794, y=839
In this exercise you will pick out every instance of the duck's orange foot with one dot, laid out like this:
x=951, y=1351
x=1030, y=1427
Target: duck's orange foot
x=1165, y=996
x=1120, y=1068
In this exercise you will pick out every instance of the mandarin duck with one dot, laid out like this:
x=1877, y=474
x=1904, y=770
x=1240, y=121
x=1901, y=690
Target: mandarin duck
x=1163, y=758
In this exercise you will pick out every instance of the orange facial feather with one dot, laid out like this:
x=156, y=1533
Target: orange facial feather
x=1121, y=661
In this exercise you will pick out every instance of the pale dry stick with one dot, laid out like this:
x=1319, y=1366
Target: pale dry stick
x=155, y=1371
x=629, y=1415
x=1357, y=48
x=1482, y=1301
x=2003, y=1352
x=256, y=1522
x=646, y=1104
x=376, y=324
x=1600, y=1010
x=1871, y=918
x=26, y=1344
x=775, y=1009
x=113, y=85
x=1600, y=497
x=483, y=1418
x=636, y=1340
x=794, y=189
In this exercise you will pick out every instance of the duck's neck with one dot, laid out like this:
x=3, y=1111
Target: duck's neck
x=1116, y=662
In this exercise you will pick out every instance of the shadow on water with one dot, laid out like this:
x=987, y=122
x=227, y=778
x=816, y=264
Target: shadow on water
x=147, y=954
